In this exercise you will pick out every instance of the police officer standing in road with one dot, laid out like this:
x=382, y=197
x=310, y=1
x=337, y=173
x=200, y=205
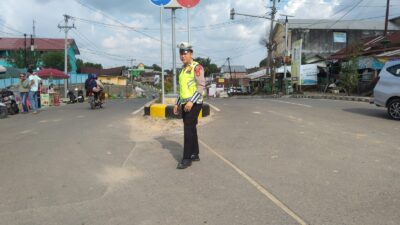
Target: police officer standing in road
x=191, y=87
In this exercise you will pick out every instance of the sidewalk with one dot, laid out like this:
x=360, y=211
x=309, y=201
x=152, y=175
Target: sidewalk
x=333, y=97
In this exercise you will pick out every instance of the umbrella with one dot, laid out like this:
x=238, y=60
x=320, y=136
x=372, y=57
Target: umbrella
x=52, y=73
x=3, y=69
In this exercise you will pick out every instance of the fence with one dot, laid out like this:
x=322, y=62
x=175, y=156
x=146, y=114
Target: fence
x=73, y=79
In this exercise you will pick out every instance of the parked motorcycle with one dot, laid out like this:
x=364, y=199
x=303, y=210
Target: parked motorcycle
x=81, y=98
x=3, y=110
x=71, y=96
x=8, y=99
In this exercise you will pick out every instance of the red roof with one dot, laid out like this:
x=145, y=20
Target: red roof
x=41, y=44
x=370, y=46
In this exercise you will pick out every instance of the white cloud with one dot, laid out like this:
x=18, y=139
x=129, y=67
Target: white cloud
x=238, y=39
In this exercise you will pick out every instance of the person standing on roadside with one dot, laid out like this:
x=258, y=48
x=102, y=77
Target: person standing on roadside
x=34, y=80
x=23, y=87
x=191, y=89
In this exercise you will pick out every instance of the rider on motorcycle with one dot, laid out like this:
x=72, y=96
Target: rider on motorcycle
x=93, y=85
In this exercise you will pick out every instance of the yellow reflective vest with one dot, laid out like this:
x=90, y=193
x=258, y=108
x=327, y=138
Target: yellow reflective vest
x=187, y=83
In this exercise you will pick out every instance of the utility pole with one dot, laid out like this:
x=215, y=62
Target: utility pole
x=66, y=29
x=173, y=10
x=270, y=47
x=188, y=23
x=33, y=28
x=230, y=71
x=25, y=51
x=162, y=54
x=270, y=38
x=286, y=52
x=386, y=18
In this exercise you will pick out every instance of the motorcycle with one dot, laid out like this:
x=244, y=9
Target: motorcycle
x=8, y=99
x=71, y=96
x=81, y=98
x=95, y=101
x=3, y=110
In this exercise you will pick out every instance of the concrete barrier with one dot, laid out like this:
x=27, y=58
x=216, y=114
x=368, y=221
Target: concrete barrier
x=167, y=111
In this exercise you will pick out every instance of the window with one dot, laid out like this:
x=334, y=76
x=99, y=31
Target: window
x=395, y=70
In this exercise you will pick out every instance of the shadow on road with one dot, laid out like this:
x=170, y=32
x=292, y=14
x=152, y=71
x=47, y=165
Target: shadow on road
x=377, y=113
x=174, y=148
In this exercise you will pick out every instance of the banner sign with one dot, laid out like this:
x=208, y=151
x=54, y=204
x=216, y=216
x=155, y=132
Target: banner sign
x=296, y=58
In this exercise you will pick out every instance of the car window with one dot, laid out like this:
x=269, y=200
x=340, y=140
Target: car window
x=395, y=70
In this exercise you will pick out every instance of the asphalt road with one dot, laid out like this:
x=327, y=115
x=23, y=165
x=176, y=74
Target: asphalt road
x=331, y=162
x=269, y=161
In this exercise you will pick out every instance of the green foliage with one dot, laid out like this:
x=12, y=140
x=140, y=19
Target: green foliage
x=93, y=65
x=349, y=75
x=80, y=64
x=54, y=60
x=209, y=67
x=155, y=67
x=168, y=86
x=17, y=58
x=263, y=63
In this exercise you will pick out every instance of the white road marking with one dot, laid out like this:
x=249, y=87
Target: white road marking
x=215, y=108
x=25, y=131
x=259, y=187
x=141, y=108
x=257, y=112
x=292, y=103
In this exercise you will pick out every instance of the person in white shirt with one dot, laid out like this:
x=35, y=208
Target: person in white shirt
x=34, y=80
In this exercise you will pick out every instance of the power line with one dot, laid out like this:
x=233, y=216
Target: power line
x=358, y=3
x=115, y=20
x=327, y=3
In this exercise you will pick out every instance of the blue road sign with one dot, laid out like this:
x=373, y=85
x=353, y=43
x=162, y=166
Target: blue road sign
x=160, y=2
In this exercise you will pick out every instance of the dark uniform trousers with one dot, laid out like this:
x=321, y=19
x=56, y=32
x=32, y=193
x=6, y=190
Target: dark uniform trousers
x=190, y=119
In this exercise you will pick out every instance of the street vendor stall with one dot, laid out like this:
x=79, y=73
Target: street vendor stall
x=51, y=96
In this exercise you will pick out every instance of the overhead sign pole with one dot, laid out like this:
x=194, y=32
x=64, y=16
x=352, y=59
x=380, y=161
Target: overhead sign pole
x=188, y=4
x=174, y=5
x=161, y=4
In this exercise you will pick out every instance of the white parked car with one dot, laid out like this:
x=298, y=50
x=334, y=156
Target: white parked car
x=387, y=90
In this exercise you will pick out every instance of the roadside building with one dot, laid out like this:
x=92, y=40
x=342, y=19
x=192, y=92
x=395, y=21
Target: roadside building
x=322, y=38
x=40, y=46
x=111, y=76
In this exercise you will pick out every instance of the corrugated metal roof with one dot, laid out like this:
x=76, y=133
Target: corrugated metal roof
x=41, y=44
x=370, y=46
x=234, y=69
x=339, y=25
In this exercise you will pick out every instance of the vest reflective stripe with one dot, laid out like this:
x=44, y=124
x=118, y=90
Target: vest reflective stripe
x=187, y=83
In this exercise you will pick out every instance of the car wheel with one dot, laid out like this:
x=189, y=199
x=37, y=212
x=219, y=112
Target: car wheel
x=394, y=109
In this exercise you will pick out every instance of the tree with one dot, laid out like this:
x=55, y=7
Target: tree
x=17, y=58
x=79, y=65
x=349, y=75
x=209, y=67
x=54, y=60
x=93, y=65
x=263, y=62
x=155, y=67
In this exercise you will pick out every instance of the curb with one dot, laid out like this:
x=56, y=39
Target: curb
x=167, y=111
x=343, y=98
x=257, y=97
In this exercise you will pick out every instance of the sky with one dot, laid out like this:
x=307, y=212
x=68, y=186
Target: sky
x=114, y=32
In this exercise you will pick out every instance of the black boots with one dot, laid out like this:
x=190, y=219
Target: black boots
x=195, y=158
x=185, y=163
